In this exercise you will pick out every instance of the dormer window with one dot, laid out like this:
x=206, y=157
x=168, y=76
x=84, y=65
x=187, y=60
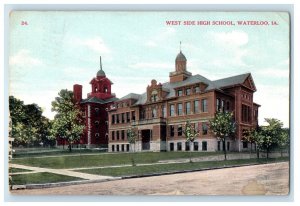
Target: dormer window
x=179, y=93
x=197, y=89
x=154, y=96
x=188, y=91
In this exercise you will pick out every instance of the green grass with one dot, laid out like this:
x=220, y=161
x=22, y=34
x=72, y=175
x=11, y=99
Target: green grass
x=15, y=170
x=144, y=170
x=106, y=159
x=40, y=178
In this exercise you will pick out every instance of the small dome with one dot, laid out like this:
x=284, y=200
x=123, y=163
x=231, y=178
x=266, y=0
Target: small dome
x=180, y=57
x=100, y=73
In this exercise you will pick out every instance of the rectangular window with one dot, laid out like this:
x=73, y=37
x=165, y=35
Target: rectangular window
x=245, y=145
x=246, y=113
x=172, y=110
x=218, y=105
x=127, y=117
x=187, y=146
x=179, y=130
x=118, y=137
x=113, y=135
x=113, y=119
x=154, y=113
x=133, y=115
x=179, y=108
x=219, y=146
x=204, y=146
x=123, y=117
x=171, y=146
x=163, y=111
x=204, y=128
x=204, y=105
x=127, y=147
x=113, y=148
x=117, y=118
x=196, y=146
x=223, y=106
x=179, y=93
x=187, y=108
x=143, y=114
x=197, y=89
x=228, y=146
x=172, y=130
x=179, y=146
x=227, y=105
x=122, y=148
x=122, y=134
x=196, y=106
x=188, y=91
x=118, y=148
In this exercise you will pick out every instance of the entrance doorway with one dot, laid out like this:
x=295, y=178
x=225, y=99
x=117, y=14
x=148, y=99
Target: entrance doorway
x=146, y=136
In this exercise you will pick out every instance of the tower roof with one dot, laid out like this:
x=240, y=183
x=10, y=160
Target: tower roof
x=180, y=57
x=101, y=72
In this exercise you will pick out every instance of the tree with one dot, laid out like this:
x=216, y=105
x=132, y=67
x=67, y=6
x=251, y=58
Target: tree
x=67, y=123
x=223, y=126
x=190, y=134
x=258, y=139
x=271, y=134
x=132, y=138
x=29, y=126
x=284, y=140
x=248, y=137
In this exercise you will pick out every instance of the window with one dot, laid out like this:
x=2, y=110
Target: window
x=179, y=130
x=117, y=118
x=122, y=148
x=245, y=145
x=179, y=108
x=219, y=146
x=154, y=98
x=97, y=123
x=113, y=148
x=228, y=146
x=204, y=146
x=143, y=114
x=117, y=148
x=204, y=105
x=97, y=135
x=97, y=111
x=187, y=146
x=187, y=108
x=172, y=110
x=127, y=117
x=223, y=106
x=204, y=128
x=197, y=89
x=171, y=146
x=133, y=115
x=154, y=113
x=188, y=91
x=196, y=106
x=122, y=134
x=227, y=105
x=127, y=147
x=113, y=135
x=118, y=135
x=179, y=93
x=172, y=129
x=218, y=105
x=179, y=146
x=196, y=146
x=113, y=119
x=163, y=111
x=123, y=117
x=246, y=113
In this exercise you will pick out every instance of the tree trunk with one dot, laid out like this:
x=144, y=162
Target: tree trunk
x=257, y=152
x=224, y=148
x=70, y=147
x=190, y=152
x=267, y=153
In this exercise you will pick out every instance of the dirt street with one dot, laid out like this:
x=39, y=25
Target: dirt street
x=271, y=179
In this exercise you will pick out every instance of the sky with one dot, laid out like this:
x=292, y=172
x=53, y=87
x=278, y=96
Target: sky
x=50, y=51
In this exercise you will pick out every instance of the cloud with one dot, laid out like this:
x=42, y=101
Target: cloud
x=234, y=38
x=95, y=44
x=159, y=38
x=24, y=58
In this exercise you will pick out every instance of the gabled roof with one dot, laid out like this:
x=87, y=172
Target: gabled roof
x=230, y=81
x=131, y=96
x=98, y=101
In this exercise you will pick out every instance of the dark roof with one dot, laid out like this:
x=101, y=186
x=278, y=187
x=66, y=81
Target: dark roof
x=234, y=80
x=180, y=57
x=131, y=96
x=101, y=73
x=98, y=101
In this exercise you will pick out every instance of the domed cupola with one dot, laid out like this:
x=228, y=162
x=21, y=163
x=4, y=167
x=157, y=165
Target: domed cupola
x=101, y=73
x=180, y=57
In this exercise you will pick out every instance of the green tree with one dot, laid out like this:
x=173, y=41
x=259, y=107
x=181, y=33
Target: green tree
x=223, y=126
x=67, y=123
x=258, y=140
x=284, y=140
x=249, y=138
x=271, y=134
x=190, y=134
x=132, y=138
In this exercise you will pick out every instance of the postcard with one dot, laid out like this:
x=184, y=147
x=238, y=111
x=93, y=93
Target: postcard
x=149, y=103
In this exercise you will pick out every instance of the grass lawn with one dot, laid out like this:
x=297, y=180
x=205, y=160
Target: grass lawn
x=40, y=178
x=143, y=170
x=15, y=170
x=105, y=159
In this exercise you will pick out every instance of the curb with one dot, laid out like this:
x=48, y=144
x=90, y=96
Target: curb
x=59, y=184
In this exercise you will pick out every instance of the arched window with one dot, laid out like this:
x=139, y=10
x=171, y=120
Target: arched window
x=105, y=89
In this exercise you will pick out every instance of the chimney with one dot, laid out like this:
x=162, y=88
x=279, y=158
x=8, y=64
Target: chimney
x=77, y=90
